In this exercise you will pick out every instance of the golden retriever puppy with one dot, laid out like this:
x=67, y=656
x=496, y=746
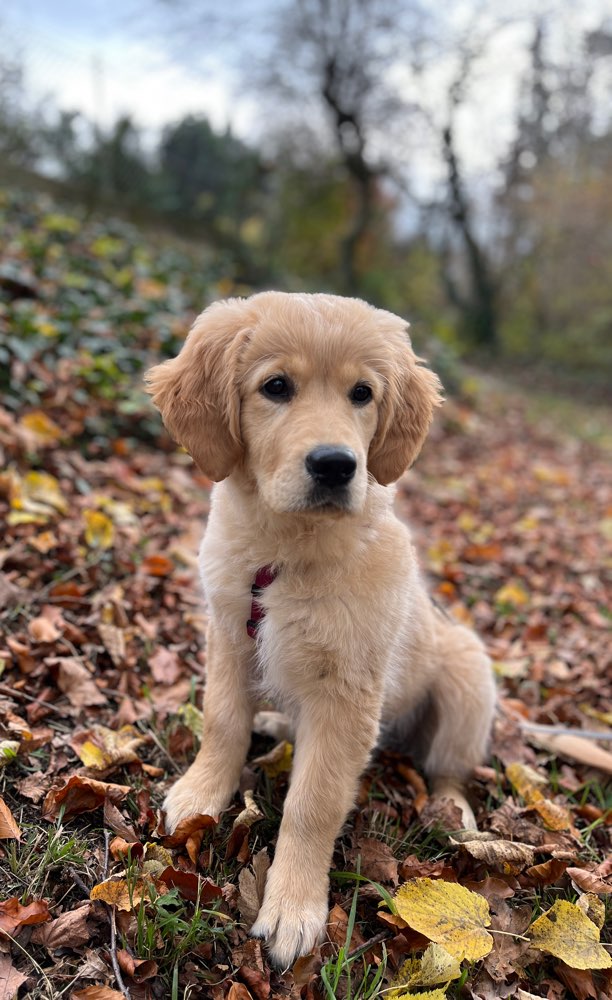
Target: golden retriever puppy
x=304, y=409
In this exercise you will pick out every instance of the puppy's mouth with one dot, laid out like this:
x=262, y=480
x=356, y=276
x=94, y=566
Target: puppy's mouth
x=325, y=500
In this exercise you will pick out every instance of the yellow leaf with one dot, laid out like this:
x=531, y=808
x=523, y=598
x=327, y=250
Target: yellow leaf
x=448, y=914
x=565, y=932
x=103, y=748
x=512, y=593
x=99, y=530
x=39, y=424
x=437, y=966
x=117, y=892
x=593, y=907
x=593, y=713
x=192, y=717
x=277, y=761
x=428, y=995
x=528, y=783
x=92, y=756
x=35, y=499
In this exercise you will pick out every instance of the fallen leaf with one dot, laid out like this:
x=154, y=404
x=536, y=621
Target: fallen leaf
x=157, y=565
x=565, y=932
x=447, y=914
x=70, y=930
x=99, y=529
x=513, y=593
x=277, y=761
x=79, y=795
x=35, y=499
x=588, y=881
x=48, y=626
x=238, y=991
x=101, y=748
x=377, y=860
x=9, y=830
x=77, y=683
x=251, y=884
x=190, y=886
x=593, y=907
x=187, y=827
x=97, y=993
x=123, y=894
x=528, y=783
x=10, y=978
x=436, y=966
x=15, y=915
x=251, y=812
x=164, y=666
x=511, y=856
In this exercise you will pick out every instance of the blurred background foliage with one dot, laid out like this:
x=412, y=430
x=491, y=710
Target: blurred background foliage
x=511, y=268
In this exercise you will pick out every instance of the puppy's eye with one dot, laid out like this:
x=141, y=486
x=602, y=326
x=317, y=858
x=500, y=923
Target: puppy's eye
x=277, y=388
x=360, y=394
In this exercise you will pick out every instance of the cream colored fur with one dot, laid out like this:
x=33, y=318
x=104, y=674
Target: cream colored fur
x=350, y=641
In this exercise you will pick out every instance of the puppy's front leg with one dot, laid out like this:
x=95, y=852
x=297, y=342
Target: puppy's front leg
x=335, y=736
x=207, y=787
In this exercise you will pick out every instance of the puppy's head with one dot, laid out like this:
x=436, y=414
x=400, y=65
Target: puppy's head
x=307, y=394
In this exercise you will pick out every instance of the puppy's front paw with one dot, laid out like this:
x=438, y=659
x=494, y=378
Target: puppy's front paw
x=188, y=796
x=292, y=917
x=290, y=927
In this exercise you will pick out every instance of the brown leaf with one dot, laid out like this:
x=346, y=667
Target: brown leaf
x=547, y=873
x=164, y=666
x=48, y=626
x=9, y=829
x=14, y=915
x=70, y=930
x=191, y=886
x=588, y=881
x=505, y=958
x=117, y=822
x=238, y=991
x=441, y=812
x=251, y=884
x=187, y=827
x=80, y=795
x=76, y=682
x=10, y=978
x=578, y=981
x=337, y=928
x=508, y=855
x=377, y=861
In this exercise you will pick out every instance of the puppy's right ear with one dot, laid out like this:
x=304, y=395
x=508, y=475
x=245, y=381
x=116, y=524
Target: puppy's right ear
x=196, y=392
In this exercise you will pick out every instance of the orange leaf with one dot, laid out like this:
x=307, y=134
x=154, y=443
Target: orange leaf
x=8, y=825
x=157, y=565
x=14, y=916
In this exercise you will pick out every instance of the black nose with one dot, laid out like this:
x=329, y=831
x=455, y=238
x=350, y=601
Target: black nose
x=331, y=466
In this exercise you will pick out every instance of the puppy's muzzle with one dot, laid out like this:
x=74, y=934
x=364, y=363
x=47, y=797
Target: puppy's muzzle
x=331, y=467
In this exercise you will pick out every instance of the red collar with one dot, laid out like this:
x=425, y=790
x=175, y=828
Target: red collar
x=263, y=579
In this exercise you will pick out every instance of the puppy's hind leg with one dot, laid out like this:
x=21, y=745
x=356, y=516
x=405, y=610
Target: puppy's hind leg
x=464, y=704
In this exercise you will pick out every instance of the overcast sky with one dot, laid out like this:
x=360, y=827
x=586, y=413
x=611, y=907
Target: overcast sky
x=110, y=57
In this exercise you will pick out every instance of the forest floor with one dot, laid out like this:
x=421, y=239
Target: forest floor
x=102, y=660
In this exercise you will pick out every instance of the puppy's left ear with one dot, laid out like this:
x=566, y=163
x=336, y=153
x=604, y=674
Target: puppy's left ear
x=412, y=394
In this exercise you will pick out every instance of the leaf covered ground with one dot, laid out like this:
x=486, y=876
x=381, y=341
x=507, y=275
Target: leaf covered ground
x=102, y=660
